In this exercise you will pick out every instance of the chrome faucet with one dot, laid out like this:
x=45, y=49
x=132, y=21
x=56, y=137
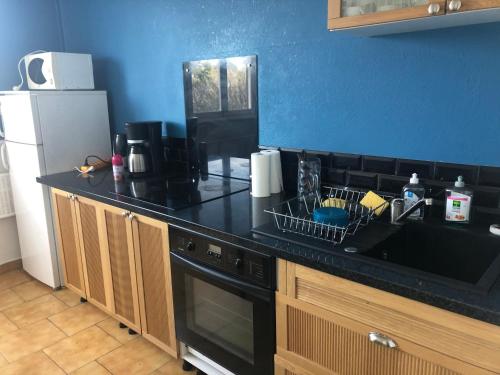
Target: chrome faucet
x=398, y=215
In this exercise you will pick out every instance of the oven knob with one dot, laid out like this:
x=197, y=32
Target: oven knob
x=190, y=246
x=238, y=263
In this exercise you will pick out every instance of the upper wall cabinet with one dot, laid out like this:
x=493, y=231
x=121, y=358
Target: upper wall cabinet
x=380, y=17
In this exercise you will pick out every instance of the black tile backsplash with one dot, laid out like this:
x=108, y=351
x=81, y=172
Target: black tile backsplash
x=325, y=157
x=346, y=161
x=392, y=184
x=379, y=165
x=289, y=155
x=489, y=176
x=425, y=169
x=486, y=196
x=390, y=174
x=335, y=177
x=450, y=172
x=363, y=180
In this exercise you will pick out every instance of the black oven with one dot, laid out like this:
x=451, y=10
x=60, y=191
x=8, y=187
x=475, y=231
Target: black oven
x=224, y=302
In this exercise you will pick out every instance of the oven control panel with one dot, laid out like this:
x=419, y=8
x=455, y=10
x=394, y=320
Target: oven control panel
x=235, y=260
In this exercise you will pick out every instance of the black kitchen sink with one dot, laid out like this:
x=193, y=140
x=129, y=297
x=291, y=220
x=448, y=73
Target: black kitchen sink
x=450, y=253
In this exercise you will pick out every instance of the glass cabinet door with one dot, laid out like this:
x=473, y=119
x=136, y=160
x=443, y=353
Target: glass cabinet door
x=354, y=13
x=359, y=7
x=455, y=6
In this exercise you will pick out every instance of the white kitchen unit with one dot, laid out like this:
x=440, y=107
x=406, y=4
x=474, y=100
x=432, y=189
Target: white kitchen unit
x=48, y=132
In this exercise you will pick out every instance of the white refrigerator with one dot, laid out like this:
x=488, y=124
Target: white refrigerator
x=48, y=132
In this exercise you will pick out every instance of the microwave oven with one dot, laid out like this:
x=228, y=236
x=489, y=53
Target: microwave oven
x=59, y=71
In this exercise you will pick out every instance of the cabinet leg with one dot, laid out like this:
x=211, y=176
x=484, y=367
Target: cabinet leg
x=199, y=372
x=186, y=366
x=132, y=332
x=121, y=325
x=82, y=300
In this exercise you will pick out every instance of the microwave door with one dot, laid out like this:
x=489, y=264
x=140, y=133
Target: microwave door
x=37, y=69
x=224, y=318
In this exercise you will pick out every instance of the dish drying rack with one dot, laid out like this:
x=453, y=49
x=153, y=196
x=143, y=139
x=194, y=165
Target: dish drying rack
x=295, y=215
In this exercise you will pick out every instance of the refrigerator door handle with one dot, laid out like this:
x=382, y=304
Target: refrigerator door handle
x=3, y=156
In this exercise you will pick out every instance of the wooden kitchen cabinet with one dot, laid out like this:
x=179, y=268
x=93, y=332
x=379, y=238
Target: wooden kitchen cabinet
x=118, y=243
x=355, y=13
x=65, y=221
x=379, y=17
x=154, y=282
x=119, y=262
x=328, y=325
x=468, y=5
x=95, y=258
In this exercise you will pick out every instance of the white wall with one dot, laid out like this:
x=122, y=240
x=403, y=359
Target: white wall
x=9, y=241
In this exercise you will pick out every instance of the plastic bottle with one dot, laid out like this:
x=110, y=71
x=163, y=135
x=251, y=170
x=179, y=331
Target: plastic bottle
x=412, y=193
x=117, y=162
x=458, y=202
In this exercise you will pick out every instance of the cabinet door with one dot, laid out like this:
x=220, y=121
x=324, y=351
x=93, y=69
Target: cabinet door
x=119, y=246
x=323, y=320
x=323, y=342
x=454, y=6
x=95, y=258
x=154, y=282
x=354, y=13
x=284, y=367
x=68, y=241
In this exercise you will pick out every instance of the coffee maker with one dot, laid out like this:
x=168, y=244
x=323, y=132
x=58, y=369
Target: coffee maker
x=144, y=148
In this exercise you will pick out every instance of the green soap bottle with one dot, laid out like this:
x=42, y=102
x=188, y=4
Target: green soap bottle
x=458, y=202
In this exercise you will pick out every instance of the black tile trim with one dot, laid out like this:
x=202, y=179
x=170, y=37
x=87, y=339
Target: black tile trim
x=344, y=169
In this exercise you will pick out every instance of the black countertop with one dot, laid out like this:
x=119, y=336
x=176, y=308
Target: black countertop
x=233, y=217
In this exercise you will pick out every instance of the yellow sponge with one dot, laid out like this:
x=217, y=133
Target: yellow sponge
x=374, y=202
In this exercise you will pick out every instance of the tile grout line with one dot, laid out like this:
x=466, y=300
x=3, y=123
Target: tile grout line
x=51, y=360
x=10, y=320
x=112, y=350
x=59, y=329
x=81, y=330
x=7, y=362
x=85, y=364
x=22, y=298
x=102, y=364
x=54, y=293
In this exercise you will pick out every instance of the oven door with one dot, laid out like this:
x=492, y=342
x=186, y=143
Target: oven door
x=229, y=321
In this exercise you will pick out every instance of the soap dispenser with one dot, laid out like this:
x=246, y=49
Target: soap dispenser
x=458, y=202
x=412, y=193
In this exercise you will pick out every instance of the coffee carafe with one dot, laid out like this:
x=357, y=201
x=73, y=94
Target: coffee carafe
x=144, y=148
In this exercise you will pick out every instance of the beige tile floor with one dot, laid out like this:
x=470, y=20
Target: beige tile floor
x=46, y=332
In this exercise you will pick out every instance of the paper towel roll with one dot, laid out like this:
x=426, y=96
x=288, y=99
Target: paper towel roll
x=261, y=168
x=276, y=175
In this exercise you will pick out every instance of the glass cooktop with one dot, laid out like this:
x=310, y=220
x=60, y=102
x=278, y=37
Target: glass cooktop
x=180, y=191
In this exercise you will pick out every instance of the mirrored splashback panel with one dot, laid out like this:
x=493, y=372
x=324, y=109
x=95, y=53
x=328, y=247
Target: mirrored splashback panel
x=222, y=114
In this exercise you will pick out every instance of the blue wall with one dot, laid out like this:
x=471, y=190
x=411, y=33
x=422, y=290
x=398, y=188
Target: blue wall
x=429, y=95
x=25, y=26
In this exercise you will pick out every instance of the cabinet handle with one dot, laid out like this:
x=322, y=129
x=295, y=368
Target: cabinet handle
x=455, y=5
x=383, y=340
x=73, y=197
x=131, y=217
x=125, y=213
x=434, y=9
x=69, y=196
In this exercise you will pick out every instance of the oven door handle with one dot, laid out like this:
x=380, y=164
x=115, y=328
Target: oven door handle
x=261, y=293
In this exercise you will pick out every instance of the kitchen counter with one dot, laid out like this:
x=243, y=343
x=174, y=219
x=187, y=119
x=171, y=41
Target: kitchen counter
x=233, y=217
